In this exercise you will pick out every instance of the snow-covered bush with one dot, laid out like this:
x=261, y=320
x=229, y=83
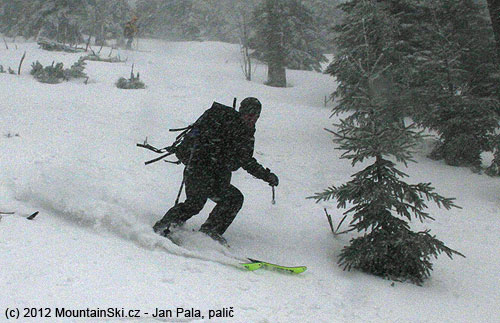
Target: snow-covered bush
x=54, y=74
x=133, y=83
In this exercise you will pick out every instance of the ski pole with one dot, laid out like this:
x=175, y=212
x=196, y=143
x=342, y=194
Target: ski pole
x=273, y=200
x=180, y=191
x=184, y=177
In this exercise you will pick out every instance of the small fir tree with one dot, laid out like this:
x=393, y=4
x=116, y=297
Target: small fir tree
x=381, y=203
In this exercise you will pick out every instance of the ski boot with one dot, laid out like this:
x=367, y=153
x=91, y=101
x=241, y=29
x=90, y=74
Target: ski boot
x=165, y=228
x=216, y=237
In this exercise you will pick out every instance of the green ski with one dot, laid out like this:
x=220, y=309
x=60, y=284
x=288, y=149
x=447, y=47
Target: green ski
x=255, y=264
x=252, y=264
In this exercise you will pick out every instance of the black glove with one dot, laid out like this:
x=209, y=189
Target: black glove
x=271, y=178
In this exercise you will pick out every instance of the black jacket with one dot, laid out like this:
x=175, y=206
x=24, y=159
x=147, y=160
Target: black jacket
x=222, y=143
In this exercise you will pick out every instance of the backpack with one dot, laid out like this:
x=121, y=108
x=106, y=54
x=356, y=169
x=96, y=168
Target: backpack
x=205, y=139
x=201, y=141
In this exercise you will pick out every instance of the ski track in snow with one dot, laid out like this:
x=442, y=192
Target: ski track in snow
x=69, y=151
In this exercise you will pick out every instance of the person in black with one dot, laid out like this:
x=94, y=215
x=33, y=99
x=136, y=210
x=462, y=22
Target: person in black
x=222, y=142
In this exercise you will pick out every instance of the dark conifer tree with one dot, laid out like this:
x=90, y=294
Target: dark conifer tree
x=63, y=20
x=270, y=31
x=302, y=39
x=286, y=36
x=326, y=14
x=105, y=19
x=456, y=85
x=187, y=19
x=10, y=15
x=494, y=10
x=368, y=61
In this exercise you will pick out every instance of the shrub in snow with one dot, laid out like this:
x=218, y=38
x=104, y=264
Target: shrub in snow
x=9, y=70
x=97, y=58
x=55, y=46
x=76, y=70
x=54, y=74
x=132, y=83
x=11, y=135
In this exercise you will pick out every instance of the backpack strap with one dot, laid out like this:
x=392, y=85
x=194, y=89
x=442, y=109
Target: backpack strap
x=180, y=129
x=170, y=150
x=182, y=134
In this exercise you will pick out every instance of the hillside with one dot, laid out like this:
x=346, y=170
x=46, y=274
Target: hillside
x=69, y=151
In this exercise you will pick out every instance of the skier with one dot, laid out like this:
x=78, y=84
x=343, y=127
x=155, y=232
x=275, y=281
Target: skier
x=130, y=31
x=220, y=142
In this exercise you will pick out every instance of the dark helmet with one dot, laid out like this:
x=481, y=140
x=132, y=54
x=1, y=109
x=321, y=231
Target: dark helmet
x=250, y=105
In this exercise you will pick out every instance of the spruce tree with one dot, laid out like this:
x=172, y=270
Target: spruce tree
x=455, y=89
x=326, y=14
x=269, y=24
x=187, y=19
x=10, y=14
x=63, y=20
x=494, y=10
x=373, y=132
x=103, y=18
x=302, y=38
x=286, y=36
x=34, y=16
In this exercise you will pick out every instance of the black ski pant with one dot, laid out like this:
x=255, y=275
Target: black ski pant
x=202, y=184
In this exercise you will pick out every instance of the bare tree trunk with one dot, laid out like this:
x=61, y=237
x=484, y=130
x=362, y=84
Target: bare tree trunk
x=21, y=63
x=494, y=9
x=276, y=67
x=247, y=62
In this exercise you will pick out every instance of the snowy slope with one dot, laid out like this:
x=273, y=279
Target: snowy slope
x=69, y=151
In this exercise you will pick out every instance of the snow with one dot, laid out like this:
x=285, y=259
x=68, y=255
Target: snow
x=69, y=151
